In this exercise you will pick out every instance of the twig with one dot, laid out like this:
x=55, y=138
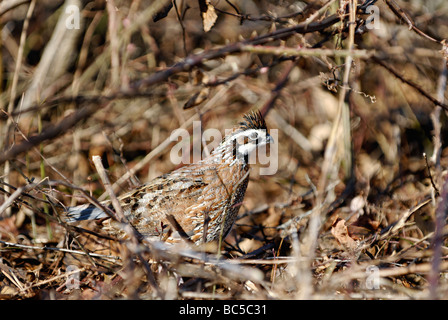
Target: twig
x=233, y=6
x=430, y=176
x=389, y=272
x=435, y=117
x=55, y=59
x=112, y=28
x=410, y=83
x=106, y=182
x=402, y=15
x=307, y=52
x=319, y=12
x=275, y=93
x=142, y=19
x=181, y=23
x=264, y=17
x=66, y=274
x=176, y=226
x=338, y=145
x=441, y=214
x=150, y=156
x=393, y=229
x=19, y=58
x=134, y=90
x=291, y=131
x=28, y=247
x=15, y=80
x=17, y=193
x=196, y=59
x=7, y=5
x=50, y=132
x=83, y=52
x=135, y=237
x=10, y=274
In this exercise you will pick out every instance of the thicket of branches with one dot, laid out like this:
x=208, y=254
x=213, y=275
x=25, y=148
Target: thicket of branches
x=357, y=90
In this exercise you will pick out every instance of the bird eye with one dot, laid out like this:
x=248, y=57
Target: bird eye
x=253, y=136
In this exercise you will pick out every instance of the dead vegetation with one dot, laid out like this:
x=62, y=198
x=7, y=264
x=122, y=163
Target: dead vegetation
x=356, y=209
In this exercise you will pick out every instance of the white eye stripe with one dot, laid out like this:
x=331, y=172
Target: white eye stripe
x=251, y=134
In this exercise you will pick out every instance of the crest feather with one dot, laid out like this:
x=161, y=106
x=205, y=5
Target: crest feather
x=253, y=120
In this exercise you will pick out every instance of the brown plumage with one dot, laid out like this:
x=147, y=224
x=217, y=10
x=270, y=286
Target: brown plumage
x=206, y=194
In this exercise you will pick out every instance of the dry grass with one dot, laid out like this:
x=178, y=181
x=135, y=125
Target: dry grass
x=356, y=209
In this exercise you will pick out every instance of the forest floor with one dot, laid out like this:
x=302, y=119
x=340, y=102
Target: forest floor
x=354, y=91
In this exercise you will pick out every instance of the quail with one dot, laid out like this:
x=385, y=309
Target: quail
x=202, y=199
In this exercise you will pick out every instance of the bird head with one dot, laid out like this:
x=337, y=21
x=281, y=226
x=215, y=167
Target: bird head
x=251, y=134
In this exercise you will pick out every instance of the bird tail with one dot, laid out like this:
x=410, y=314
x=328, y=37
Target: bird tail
x=84, y=212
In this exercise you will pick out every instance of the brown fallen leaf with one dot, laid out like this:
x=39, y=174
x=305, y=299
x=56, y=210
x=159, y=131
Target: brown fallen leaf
x=340, y=232
x=8, y=228
x=197, y=98
x=208, y=14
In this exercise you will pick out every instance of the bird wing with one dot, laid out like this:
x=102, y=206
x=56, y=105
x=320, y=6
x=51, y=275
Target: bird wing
x=148, y=206
x=186, y=194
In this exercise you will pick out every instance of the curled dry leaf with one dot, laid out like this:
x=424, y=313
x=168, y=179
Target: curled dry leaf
x=197, y=98
x=340, y=232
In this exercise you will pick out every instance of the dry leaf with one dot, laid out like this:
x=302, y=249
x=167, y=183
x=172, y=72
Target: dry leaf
x=340, y=232
x=202, y=95
x=8, y=227
x=208, y=13
x=197, y=98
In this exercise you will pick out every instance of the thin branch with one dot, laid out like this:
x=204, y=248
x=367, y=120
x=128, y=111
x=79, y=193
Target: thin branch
x=435, y=116
x=278, y=88
x=180, y=19
x=197, y=59
x=393, y=6
x=15, y=80
x=441, y=214
x=7, y=5
x=107, y=185
x=131, y=247
x=306, y=52
x=136, y=88
x=50, y=133
x=28, y=247
x=410, y=83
